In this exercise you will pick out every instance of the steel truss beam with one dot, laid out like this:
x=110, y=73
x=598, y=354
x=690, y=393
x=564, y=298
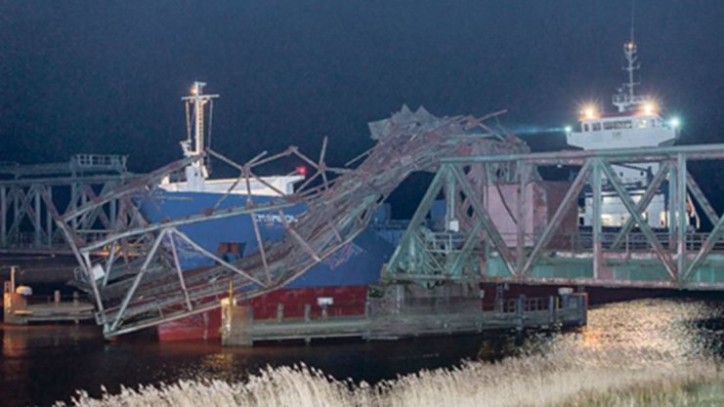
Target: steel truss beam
x=29, y=211
x=632, y=256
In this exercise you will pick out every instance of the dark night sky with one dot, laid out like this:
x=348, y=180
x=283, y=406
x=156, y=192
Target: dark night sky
x=106, y=77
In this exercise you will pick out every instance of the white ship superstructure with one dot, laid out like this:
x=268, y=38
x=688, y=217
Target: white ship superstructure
x=196, y=175
x=637, y=123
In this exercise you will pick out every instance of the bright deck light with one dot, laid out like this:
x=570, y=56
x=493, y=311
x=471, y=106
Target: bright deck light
x=589, y=112
x=674, y=122
x=649, y=108
x=568, y=129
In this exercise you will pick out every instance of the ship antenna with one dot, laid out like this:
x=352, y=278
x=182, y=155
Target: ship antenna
x=197, y=100
x=631, y=56
x=633, y=17
x=627, y=98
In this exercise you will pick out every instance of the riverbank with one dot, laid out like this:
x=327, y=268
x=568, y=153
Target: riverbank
x=526, y=381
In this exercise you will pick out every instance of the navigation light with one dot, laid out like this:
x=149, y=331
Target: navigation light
x=674, y=122
x=649, y=108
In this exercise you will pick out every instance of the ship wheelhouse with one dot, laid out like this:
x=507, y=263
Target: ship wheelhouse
x=637, y=123
x=630, y=129
x=643, y=127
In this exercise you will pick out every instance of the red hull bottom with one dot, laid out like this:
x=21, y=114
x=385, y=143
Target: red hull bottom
x=290, y=303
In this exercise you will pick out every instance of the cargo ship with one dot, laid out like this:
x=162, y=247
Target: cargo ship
x=337, y=286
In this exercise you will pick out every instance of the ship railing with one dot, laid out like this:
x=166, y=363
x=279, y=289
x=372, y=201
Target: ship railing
x=308, y=311
x=622, y=98
x=528, y=304
x=632, y=242
x=374, y=308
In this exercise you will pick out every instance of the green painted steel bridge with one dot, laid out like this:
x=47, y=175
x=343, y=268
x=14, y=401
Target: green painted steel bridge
x=503, y=222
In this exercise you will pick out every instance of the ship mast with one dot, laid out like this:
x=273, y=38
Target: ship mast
x=195, y=143
x=626, y=100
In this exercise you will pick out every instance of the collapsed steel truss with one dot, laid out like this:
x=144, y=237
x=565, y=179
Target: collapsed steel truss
x=633, y=255
x=141, y=283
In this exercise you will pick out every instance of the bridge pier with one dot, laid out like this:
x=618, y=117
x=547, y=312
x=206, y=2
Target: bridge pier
x=406, y=310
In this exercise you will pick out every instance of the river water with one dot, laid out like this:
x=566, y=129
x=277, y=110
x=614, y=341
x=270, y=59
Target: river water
x=44, y=364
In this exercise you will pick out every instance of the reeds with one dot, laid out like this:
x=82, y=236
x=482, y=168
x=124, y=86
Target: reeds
x=645, y=355
x=523, y=381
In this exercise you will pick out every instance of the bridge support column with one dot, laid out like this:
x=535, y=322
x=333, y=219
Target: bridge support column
x=500, y=297
x=520, y=311
x=596, y=186
x=552, y=310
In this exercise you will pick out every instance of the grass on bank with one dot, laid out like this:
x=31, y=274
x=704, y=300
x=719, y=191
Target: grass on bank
x=528, y=381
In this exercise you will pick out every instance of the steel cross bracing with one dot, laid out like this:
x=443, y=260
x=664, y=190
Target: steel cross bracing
x=149, y=287
x=490, y=240
x=33, y=196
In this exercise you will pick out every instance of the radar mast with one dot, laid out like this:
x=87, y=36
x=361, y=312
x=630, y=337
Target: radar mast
x=626, y=99
x=195, y=123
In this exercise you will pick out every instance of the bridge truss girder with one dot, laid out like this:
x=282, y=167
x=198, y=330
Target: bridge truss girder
x=29, y=209
x=634, y=255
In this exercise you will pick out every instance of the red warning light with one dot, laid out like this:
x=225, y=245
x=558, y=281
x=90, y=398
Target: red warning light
x=301, y=170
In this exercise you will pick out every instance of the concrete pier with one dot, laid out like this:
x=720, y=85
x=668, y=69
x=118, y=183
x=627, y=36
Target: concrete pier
x=403, y=313
x=19, y=310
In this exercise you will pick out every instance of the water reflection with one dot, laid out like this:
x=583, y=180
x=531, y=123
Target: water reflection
x=44, y=364
x=641, y=333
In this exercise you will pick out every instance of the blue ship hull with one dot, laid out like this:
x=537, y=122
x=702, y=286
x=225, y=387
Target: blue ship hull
x=358, y=263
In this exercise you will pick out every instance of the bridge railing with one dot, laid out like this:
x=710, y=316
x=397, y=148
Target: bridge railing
x=582, y=241
x=114, y=162
x=637, y=241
